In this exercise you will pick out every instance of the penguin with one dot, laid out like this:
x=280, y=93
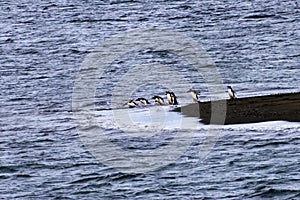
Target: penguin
x=172, y=99
x=194, y=94
x=169, y=97
x=158, y=99
x=143, y=101
x=231, y=92
x=131, y=104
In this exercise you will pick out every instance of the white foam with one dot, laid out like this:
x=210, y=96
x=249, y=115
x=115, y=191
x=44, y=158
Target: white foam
x=158, y=118
x=263, y=126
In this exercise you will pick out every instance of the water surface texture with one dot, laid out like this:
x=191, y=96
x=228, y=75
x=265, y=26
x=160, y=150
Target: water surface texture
x=255, y=46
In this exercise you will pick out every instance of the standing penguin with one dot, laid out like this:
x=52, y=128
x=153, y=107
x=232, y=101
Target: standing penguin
x=169, y=98
x=231, y=92
x=172, y=99
x=194, y=94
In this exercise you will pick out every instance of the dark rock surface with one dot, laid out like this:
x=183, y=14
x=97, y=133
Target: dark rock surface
x=246, y=110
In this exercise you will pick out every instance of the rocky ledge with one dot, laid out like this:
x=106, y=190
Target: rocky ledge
x=246, y=110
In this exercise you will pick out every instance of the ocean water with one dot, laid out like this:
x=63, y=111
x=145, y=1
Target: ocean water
x=50, y=150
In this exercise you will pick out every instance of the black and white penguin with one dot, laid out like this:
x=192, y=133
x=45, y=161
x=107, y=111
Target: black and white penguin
x=172, y=99
x=131, y=104
x=194, y=94
x=143, y=101
x=158, y=100
x=169, y=97
x=231, y=92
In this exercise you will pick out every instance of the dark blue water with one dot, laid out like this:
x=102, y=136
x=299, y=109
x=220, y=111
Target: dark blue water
x=255, y=47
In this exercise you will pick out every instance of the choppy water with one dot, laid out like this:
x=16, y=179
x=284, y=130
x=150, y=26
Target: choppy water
x=255, y=46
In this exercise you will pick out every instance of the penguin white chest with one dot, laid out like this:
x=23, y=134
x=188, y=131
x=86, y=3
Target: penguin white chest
x=160, y=101
x=144, y=102
x=169, y=97
x=194, y=96
x=231, y=94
